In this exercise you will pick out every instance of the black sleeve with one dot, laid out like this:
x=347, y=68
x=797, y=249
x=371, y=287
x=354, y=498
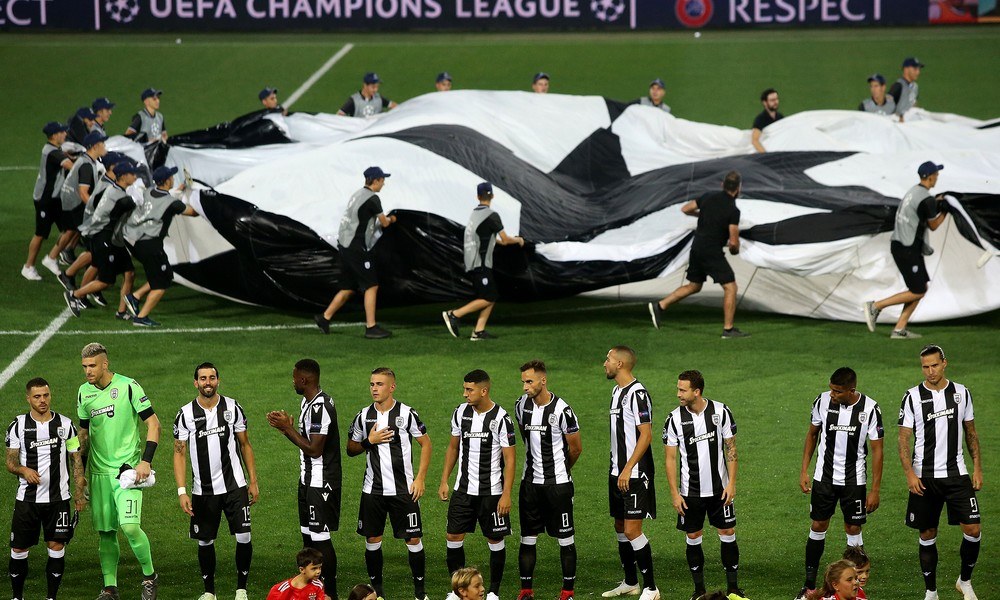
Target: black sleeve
x=759, y=122
x=86, y=174
x=176, y=207
x=348, y=107
x=495, y=224
x=734, y=217
x=144, y=415
x=861, y=106
x=896, y=91
x=375, y=205
x=928, y=208
x=135, y=125
x=385, y=102
x=122, y=207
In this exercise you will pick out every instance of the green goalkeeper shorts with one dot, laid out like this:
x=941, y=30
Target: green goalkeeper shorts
x=111, y=506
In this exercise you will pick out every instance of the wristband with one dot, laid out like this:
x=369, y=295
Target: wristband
x=366, y=444
x=182, y=491
x=147, y=454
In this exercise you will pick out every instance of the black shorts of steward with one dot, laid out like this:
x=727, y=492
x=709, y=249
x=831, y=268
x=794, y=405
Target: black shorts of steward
x=153, y=257
x=924, y=512
x=639, y=502
x=465, y=510
x=403, y=513
x=720, y=515
x=109, y=260
x=910, y=262
x=484, y=284
x=357, y=270
x=825, y=496
x=208, y=510
x=709, y=262
x=319, y=510
x=70, y=219
x=47, y=212
x=546, y=508
x=54, y=519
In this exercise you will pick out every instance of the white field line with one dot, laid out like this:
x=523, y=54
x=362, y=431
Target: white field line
x=317, y=75
x=41, y=338
x=144, y=330
x=18, y=168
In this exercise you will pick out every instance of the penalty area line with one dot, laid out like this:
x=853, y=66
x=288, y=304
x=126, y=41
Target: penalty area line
x=146, y=330
x=317, y=75
x=40, y=340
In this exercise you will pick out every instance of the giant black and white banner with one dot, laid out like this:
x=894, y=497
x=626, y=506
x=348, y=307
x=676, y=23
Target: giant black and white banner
x=598, y=186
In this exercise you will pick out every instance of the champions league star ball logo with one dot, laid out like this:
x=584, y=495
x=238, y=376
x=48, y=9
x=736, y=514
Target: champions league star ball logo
x=122, y=11
x=607, y=10
x=693, y=13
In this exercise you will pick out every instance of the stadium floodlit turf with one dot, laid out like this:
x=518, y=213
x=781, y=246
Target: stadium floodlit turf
x=769, y=380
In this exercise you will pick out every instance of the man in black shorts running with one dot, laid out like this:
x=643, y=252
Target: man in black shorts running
x=360, y=228
x=718, y=225
x=934, y=413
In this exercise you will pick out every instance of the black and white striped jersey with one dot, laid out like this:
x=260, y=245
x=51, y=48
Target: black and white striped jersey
x=42, y=447
x=699, y=441
x=318, y=416
x=543, y=429
x=481, y=440
x=210, y=434
x=631, y=406
x=844, y=431
x=937, y=419
x=389, y=466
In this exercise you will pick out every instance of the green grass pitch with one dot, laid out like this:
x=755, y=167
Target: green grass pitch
x=769, y=380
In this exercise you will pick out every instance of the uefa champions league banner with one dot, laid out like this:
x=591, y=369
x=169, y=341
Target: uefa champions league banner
x=277, y=15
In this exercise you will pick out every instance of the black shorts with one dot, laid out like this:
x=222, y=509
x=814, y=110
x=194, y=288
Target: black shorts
x=924, y=512
x=47, y=214
x=154, y=261
x=720, y=514
x=208, y=511
x=109, y=260
x=357, y=270
x=639, y=502
x=465, y=510
x=403, y=513
x=709, y=262
x=546, y=509
x=910, y=263
x=825, y=496
x=319, y=509
x=55, y=519
x=484, y=284
x=70, y=219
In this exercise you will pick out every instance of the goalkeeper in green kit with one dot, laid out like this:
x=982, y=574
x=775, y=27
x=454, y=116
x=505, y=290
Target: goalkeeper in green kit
x=110, y=407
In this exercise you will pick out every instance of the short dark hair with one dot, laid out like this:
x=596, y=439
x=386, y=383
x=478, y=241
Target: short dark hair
x=205, y=365
x=308, y=365
x=732, y=181
x=534, y=365
x=384, y=371
x=308, y=556
x=695, y=378
x=477, y=376
x=35, y=382
x=716, y=595
x=931, y=349
x=766, y=93
x=360, y=592
x=627, y=352
x=857, y=555
x=844, y=376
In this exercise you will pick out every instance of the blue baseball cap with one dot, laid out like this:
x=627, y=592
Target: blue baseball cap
x=113, y=158
x=484, y=188
x=93, y=138
x=928, y=168
x=150, y=93
x=102, y=103
x=658, y=82
x=162, y=174
x=125, y=167
x=375, y=173
x=53, y=127
x=912, y=61
x=86, y=113
x=371, y=77
x=876, y=77
x=443, y=76
x=267, y=91
x=540, y=75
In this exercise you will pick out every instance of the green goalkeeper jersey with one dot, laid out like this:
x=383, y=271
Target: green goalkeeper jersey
x=113, y=413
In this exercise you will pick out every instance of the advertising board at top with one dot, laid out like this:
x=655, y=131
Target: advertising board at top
x=276, y=15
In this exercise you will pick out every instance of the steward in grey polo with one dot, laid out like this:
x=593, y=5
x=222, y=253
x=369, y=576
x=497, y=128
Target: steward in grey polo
x=482, y=233
x=878, y=103
x=657, y=90
x=81, y=181
x=905, y=91
x=148, y=125
x=367, y=102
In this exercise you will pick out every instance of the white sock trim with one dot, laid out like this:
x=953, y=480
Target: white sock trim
x=855, y=540
x=640, y=542
x=203, y=543
x=694, y=542
x=728, y=539
x=567, y=541
x=972, y=539
x=418, y=547
x=819, y=536
x=57, y=553
x=457, y=544
x=497, y=546
x=529, y=540
x=929, y=542
x=372, y=547
x=19, y=555
x=622, y=537
x=243, y=538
